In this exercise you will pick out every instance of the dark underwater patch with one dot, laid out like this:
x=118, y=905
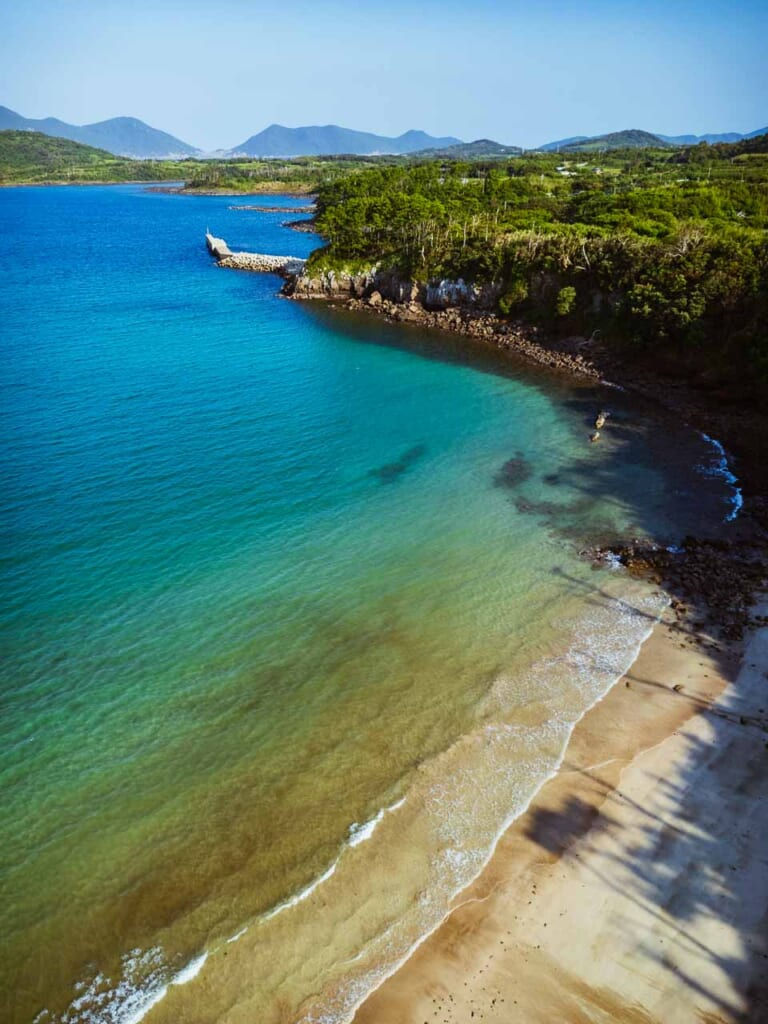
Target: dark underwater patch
x=514, y=472
x=392, y=471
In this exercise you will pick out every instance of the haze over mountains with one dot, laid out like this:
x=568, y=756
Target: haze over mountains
x=130, y=137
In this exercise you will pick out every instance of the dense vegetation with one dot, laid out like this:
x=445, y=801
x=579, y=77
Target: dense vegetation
x=298, y=174
x=664, y=247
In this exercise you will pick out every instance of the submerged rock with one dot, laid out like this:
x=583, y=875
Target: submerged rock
x=514, y=472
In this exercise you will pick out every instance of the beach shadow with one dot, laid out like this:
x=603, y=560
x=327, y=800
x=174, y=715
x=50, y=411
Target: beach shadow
x=689, y=860
x=599, y=597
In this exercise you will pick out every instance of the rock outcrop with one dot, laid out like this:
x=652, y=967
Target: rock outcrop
x=431, y=295
x=722, y=577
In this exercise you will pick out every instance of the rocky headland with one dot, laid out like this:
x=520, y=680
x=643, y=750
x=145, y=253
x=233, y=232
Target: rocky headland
x=447, y=305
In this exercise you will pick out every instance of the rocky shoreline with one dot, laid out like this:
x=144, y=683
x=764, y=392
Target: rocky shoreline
x=306, y=225
x=715, y=581
x=446, y=306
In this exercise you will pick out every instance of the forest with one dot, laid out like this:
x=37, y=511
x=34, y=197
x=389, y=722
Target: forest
x=653, y=247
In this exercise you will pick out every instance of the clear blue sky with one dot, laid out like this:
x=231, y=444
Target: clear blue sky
x=215, y=72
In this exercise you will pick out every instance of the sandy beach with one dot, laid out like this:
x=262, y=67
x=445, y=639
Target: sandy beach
x=635, y=888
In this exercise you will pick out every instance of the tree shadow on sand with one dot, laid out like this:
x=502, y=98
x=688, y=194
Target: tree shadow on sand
x=692, y=859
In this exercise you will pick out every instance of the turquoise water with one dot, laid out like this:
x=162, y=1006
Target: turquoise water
x=268, y=570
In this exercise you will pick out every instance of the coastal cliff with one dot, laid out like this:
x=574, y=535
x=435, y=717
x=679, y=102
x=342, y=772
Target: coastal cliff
x=374, y=286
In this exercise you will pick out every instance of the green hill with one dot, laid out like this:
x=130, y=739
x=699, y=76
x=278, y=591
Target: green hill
x=480, y=149
x=23, y=153
x=632, y=138
x=34, y=158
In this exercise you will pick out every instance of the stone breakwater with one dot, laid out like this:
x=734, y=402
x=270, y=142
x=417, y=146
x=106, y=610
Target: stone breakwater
x=286, y=266
x=449, y=305
x=283, y=265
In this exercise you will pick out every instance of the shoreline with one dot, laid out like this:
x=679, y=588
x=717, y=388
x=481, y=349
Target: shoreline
x=67, y=184
x=660, y=715
x=442, y=977
x=482, y=960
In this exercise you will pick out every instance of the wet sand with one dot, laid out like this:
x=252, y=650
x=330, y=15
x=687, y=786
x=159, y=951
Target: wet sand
x=635, y=888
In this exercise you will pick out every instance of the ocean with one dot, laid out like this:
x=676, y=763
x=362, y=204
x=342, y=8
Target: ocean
x=295, y=618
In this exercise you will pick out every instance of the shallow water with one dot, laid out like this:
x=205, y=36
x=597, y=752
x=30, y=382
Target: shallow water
x=269, y=570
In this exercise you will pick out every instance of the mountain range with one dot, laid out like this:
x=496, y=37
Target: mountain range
x=123, y=136
x=693, y=140
x=330, y=139
x=127, y=136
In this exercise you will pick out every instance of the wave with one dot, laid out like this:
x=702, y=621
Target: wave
x=359, y=833
x=720, y=467
x=143, y=984
x=603, y=656
x=144, y=978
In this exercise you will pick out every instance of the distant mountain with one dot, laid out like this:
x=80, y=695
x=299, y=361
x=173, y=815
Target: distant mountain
x=694, y=140
x=477, y=150
x=330, y=139
x=122, y=136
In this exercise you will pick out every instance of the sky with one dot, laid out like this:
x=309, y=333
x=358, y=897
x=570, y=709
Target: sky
x=214, y=72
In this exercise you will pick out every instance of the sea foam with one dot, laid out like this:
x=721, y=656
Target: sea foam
x=720, y=467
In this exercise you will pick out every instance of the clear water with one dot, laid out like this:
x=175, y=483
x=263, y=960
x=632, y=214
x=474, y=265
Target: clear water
x=267, y=571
